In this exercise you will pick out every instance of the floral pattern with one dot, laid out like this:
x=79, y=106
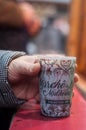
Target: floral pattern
x=56, y=85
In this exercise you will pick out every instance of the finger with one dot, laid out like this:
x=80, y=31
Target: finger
x=30, y=104
x=76, y=78
x=37, y=97
x=30, y=69
x=29, y=59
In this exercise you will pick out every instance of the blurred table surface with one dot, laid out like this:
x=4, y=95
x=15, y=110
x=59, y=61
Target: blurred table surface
x=31, y=119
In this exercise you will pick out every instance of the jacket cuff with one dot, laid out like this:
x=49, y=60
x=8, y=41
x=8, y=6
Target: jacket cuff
x=7, y=97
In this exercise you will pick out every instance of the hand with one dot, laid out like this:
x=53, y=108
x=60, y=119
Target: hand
x=31, y=20
x=23, y=77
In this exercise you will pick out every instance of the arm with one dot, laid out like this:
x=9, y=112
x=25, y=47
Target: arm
x=19, y=80
x=7, y=97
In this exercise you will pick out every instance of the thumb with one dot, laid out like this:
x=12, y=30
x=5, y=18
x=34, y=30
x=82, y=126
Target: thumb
x=30, y=69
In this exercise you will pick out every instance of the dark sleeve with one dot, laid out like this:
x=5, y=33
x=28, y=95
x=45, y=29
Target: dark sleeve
x=7, y=97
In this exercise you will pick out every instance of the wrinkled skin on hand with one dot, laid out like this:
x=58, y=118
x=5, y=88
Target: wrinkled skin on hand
x=23, y=76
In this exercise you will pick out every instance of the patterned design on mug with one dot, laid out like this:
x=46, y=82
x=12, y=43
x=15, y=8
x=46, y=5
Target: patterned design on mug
x=56, y=85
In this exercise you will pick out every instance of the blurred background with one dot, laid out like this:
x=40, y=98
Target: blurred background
x=52, y=38
x=62, y=31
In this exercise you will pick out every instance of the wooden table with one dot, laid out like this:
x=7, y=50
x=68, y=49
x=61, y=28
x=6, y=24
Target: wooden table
x=33, y=120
